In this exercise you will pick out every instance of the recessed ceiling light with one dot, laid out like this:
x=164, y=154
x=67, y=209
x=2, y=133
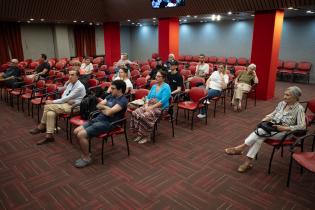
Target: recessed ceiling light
x=185, y=20
x=132, y=23
x=42, y=19
x=201, y=21
x=229, y=13
x=295, y=9
x=82, y=21
x=180, y=20
x=309, y=12
x=218, y=17
x=290, y=8
x=31, y=19
x=188, y=16
x=154, y=21
x=28, y=21
x=128, y=20
x=233, y=19
x=154, y=18
x=252, y=15
x=195, y=16
x=74, y=21
x=97, y=24
x=213, y=17
x=90, y=24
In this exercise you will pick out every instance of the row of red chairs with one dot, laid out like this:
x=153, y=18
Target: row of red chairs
x=293, y=69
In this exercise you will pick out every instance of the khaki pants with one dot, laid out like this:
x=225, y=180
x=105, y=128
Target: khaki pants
x=239, y=91
x=50, y=113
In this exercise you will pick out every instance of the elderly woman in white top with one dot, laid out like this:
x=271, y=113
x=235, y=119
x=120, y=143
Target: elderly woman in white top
x=289, y=116
x=215, y=84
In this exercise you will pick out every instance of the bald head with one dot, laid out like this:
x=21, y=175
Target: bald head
x=15, y=61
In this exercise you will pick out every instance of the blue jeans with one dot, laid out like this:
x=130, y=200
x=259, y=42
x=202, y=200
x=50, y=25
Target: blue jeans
x=211, y=94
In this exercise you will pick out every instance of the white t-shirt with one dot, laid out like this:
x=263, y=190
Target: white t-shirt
x=216, y=79
x=202, y=69
x=127, y=81
x=86, y=69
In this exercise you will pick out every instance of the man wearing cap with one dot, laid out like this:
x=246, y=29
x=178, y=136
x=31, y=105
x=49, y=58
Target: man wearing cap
x=11, y=77
x=175, y=80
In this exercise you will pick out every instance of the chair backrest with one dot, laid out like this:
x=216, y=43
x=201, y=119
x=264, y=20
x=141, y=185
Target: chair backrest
x=212, y=59
x=135, y=73
x=238, y=72
x=153, y=64
x=60, y=65
x=188, y=58
x=311, y=105
x=51, y=88
x=185, y=73
x=33, y=65
x=154, y=55
x=196, y=93
x=181, y=58
x=238, y=68
x=289, y=65
x=195, y=81
x=104, y=85
x=145, y=73
x=100, y=74
x=242, y=61
x=304, y=66
x=221, y=60
x=195, y=58
x=140, y=93
x=92, y=82
x=153, y=82
x=40, y=84
x=231, y=60
x=192, y=69
x=103, y=68
x=141, y=82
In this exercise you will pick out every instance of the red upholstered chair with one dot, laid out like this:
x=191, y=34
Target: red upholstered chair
x=30, y=91
x=252, y=92
x=303, y=69
x=212, y=59
x=111, y=70
x=310, y=114
x=188, y=58
x=239, y=68
x=288, y=67
x=304, y=159
x=100, y=76
x=135, y=74
x=231, y=61
x=181, y=58
x=60, y=65
x=221, y=60
x=242, y=61
x=145, y=68
x=196, y=81
x=155, y=55
x=153, y=64
x=192, y=69
x=103, y=68
x=141, y=82
x=195, y=58
x=185, y=73
x=145, y=73
x=93, y=82
x=197, y=97
x=152, y=82
x=217, y=99
x=287, y=140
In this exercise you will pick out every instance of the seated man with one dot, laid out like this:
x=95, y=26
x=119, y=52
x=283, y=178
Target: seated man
x=73, y=94
x=11, y=78
x=43, y=68
x=175, y=80
x=112, y=108
x=154, y=71
x=171, y=58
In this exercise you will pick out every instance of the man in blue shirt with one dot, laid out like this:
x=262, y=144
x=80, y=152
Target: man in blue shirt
x=72, y=95
x=112, y=108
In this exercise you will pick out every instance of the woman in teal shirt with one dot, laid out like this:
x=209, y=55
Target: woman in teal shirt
x=144, y=118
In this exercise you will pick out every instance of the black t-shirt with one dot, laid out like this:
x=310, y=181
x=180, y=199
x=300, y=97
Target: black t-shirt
x=12, y=71
x=175, y=80
x=43, y=66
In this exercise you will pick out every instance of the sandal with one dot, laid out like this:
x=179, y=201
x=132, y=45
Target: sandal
x=244, y=167
x=233, y=151
x=143, y=141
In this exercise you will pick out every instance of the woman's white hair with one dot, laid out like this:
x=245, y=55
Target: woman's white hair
x=296, y=91
x=252, y=66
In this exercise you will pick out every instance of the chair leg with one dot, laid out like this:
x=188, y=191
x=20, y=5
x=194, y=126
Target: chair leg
x=90, y=146
x=126, y=138
x=214, y=109
x=173, y=132
x=70, y=133
x=281, y=150
x=313, y=145
x=38, y=106
x=255, y=97
x=224, y=106
x=192, y=119
x=67, y=128
x=32, y=110
x=246, y=97
x=17, y=103
x=28, y=107
x=176, y=115
x=270, y=161
x=22, y=105
x=289, y=173
x=103, y=141
x=112, y=140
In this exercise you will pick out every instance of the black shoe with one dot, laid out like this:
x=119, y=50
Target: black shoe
x=46, y=141
x=37, y=131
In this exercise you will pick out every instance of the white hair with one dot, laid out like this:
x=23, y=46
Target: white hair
x=296, y=91
x=252, y=66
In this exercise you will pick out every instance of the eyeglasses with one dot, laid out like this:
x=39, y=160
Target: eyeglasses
x=158, y=76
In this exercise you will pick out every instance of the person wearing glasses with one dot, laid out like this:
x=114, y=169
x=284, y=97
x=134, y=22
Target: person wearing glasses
x=143, y=119
x=73, y=93
x=112, y=108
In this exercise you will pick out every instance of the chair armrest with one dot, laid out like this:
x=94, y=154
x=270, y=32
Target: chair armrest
x=297, y=133
x=119, y=121
x=94, y=114
x=300, y=141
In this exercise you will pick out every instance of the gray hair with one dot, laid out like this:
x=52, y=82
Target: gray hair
x=252, y=66
x=296, y=91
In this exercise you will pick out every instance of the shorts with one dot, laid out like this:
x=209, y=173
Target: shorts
x=96, y=127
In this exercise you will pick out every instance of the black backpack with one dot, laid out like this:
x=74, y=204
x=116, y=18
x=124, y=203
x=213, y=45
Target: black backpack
x=88, y=105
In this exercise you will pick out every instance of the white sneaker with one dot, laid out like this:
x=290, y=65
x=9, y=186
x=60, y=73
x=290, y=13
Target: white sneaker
x=201, y=116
